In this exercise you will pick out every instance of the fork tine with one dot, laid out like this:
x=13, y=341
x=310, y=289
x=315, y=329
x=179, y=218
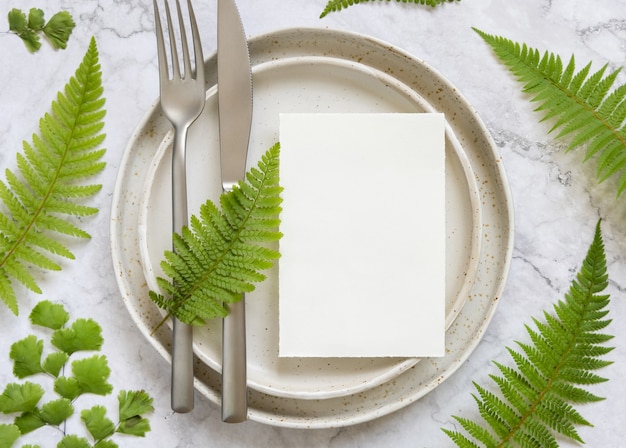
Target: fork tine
x=175, y=65
x=163, y=71
x=183, y=36
x=197, y=46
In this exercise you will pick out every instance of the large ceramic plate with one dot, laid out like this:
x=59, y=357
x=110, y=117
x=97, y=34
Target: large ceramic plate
x=294, y=68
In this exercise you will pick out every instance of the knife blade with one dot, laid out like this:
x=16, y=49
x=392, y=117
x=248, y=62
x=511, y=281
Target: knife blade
x=234, y=87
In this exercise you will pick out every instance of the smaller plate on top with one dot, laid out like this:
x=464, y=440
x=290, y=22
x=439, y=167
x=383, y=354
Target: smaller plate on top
x=305, y=84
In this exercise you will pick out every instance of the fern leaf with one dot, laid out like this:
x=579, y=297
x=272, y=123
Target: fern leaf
x=40, y=197
x=218, y=256
x=586, y=105
x=338, y=5
x=461, y=441
x=534, y=399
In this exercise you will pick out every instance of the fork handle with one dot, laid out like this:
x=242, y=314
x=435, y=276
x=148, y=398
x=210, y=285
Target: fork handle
x=182, y=367
x=182, y=351
x=234, y=375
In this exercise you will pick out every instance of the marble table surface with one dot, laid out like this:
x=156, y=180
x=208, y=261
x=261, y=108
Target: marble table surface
x=557, y=200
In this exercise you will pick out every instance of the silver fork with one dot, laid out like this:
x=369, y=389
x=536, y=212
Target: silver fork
x=182, y=101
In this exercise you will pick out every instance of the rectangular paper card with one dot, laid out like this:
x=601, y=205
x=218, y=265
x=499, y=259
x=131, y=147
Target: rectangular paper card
x=362, y=267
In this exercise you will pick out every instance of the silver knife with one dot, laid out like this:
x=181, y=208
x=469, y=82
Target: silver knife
x=234, y=87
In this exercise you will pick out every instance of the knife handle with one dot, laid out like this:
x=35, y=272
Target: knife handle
x=234, y=375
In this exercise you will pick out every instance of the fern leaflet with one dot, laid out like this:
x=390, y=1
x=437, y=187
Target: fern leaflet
x=338, y=5
x=40, y=201
x=219, y=256
x=583, y=104
x=565, y=350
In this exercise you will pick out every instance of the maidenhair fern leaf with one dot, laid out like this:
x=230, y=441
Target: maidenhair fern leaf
x=43, y=196
x=220, y=255
x=338, y=5
x=28, y=28
x=566, y=348
x=582, y=103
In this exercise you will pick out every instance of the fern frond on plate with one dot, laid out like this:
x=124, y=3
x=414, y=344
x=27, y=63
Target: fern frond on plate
x=582, y=103
x=46, y=193
x=338, y=5
x=219, y=256
x=564, y=351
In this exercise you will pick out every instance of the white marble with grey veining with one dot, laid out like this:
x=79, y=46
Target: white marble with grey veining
x=557, y=200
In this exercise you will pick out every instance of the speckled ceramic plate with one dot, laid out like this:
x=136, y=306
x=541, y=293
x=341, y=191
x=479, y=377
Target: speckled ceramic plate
x=293, y=70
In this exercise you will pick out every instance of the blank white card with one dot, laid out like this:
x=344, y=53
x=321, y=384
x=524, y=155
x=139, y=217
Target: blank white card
x=362, y=267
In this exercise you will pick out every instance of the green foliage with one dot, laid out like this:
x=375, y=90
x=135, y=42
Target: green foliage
x=131, y=406
x=97, y=423
x=20, y=397
x=73, y=441
x=536, y=397
x=220, y=255
x=338, y=5
x=9, y=434
x=89, y=375
x=582, y=103
x=28, y=28
x=84, y=334
x=49, y=315
x=44, y=198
